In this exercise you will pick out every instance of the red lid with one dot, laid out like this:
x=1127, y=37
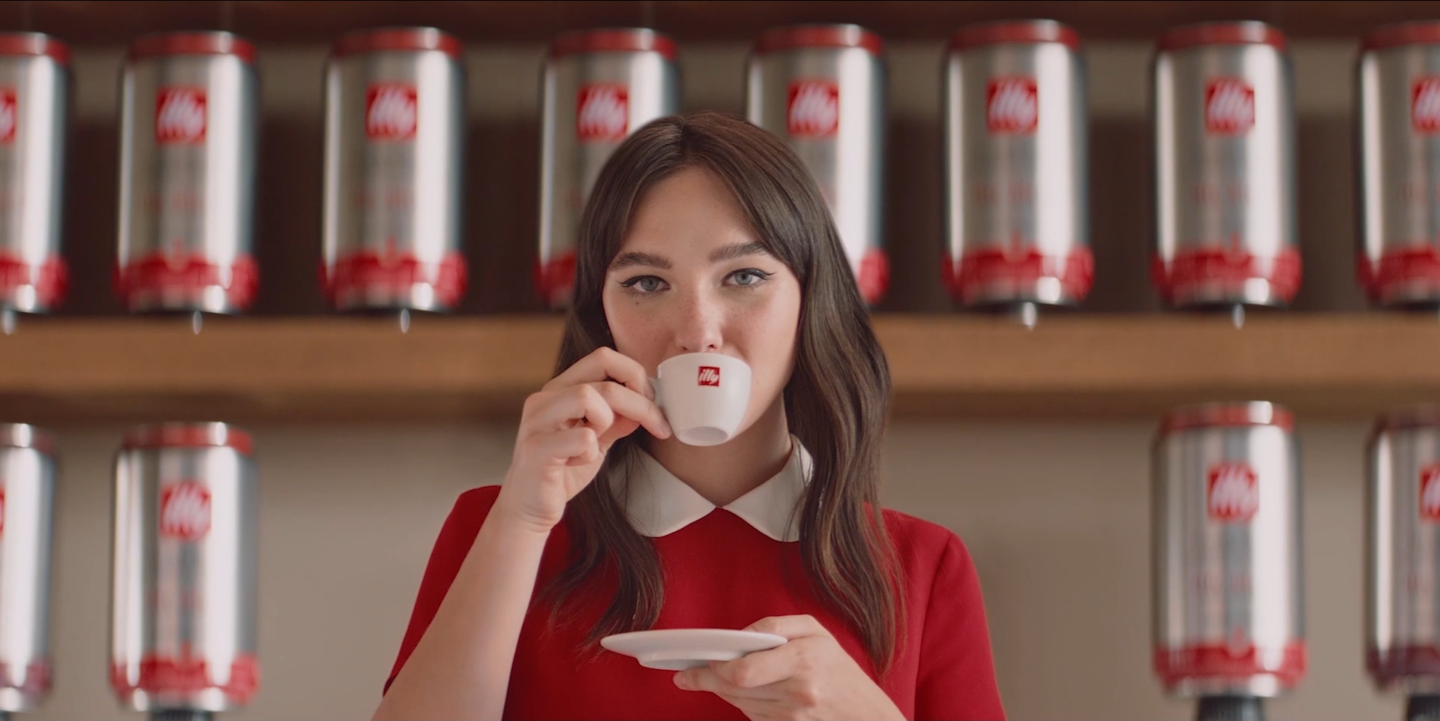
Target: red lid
x=192, y=43
x=1243, y=32
x=1015, y=31
x=621, y=40
x=24, y=435
x=189, y=435
x=819, y=36
x=34, y=44
x=1419, y=416
x=416, y=39
x=1398, y=34
x=1224, y=415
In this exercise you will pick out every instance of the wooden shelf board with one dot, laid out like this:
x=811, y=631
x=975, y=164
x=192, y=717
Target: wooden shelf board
x=340, y=369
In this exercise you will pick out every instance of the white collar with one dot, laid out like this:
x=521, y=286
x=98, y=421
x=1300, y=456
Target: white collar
x=658, y=503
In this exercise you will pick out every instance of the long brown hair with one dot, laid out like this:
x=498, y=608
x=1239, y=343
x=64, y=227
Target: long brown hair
x=836, y=399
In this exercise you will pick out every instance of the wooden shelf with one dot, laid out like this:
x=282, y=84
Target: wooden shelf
x=313, y=21
x=342, y=369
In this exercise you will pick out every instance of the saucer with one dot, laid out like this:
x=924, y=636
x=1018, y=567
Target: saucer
x=676, y=649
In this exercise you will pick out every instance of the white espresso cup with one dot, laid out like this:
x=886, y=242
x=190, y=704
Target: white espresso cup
x=703, y=395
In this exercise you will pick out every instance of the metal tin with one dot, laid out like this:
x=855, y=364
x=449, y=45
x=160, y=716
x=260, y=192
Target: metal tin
x=27, y=523
x=187, y=174
x=34, y=113
x=1402, y=551
x=1223, y=120
x=822, y=89
x=1397, y=127
x=1228, y=607
x=597, y=87
x=394, y=159
x=183, y=573
x=1016, y=161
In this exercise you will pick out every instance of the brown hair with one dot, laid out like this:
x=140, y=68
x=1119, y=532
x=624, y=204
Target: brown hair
x=836, y=399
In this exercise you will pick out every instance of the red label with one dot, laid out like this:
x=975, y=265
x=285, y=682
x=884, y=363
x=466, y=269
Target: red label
x=709, y=376
x=1233, y=492
x=185, y=511
x=1425, y=105
x=2, y=511
x=1430, y=492
x=9, y=115
x=1229, y=106
x=180, y=115
x=390, y=112
x=602, y=113
x=1012, y=105
x=812, y=109
x=186, y=674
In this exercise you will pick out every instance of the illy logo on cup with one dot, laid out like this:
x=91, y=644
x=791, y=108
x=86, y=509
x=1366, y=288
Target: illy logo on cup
x=9, y=113
x=1229, y=106
x=180, y=115
x=812, y=109
x=1232, y=492
x=391, y=111
x=708, y=376
x=184, y=511
x=1012, y=105
x=1425, y=105
x=602, y=113
x=1430, y=492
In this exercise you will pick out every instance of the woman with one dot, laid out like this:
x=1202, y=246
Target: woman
x=702, y=234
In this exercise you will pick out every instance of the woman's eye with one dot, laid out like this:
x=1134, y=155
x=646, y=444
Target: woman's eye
x=645, y=284
x=749, y=276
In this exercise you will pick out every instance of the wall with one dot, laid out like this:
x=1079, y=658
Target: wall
x=1055, y=514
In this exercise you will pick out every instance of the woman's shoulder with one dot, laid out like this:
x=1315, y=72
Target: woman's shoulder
x=472, y=506
x=925, y=547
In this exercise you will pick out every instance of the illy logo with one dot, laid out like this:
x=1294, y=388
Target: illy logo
x=709, y=376
x=1012, y=105
x=1232, y=492
x=1430, y=492
x=391, y=112
x=180, y=115
x=812, y=109
x=1425, y=105
x=602, y=113
x=184, y=511
x=9, y=114
x=1229, y=106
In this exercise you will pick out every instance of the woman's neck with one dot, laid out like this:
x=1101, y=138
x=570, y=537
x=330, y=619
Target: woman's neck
x=723, y=473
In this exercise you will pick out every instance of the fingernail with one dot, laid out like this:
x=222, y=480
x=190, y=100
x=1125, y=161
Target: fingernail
x=680, y=681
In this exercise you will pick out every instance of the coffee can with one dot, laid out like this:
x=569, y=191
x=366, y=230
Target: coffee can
x=1228, y=607
x=183, y=569
x=187, y=174
x=1223, y=125
x=1397, y=125
x=34, y=115
x=597, y=87
x=822, y=89
x=1016, y=160
x=1402, y=551
x=27, y=528
x=394, y=160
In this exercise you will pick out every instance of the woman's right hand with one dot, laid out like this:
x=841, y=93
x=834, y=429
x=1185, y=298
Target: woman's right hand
x=567, y=428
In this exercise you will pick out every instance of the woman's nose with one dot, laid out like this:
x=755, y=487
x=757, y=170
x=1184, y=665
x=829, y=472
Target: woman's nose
x=699, y=325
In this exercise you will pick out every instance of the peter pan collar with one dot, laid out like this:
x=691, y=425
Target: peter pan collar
x=658, y=503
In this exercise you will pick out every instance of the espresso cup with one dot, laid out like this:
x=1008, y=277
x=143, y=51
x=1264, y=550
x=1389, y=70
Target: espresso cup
x=703, y=396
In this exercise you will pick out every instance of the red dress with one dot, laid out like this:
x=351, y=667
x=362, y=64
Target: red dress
x=723, y=570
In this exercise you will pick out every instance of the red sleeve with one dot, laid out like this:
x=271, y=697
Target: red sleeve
x=957, y=673
x=456, y=537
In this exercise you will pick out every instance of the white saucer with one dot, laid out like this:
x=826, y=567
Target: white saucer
x=676, y=649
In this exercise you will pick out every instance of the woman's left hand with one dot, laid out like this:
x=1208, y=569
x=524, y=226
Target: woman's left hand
x=809, y=677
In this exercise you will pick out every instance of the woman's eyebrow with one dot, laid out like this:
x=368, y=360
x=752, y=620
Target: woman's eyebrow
x=737, y=250
x=628, y=260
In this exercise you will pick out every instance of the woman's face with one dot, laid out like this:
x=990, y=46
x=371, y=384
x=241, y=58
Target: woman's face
x=692, y=277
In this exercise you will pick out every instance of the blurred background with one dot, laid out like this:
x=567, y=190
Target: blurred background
x=1048, y=486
